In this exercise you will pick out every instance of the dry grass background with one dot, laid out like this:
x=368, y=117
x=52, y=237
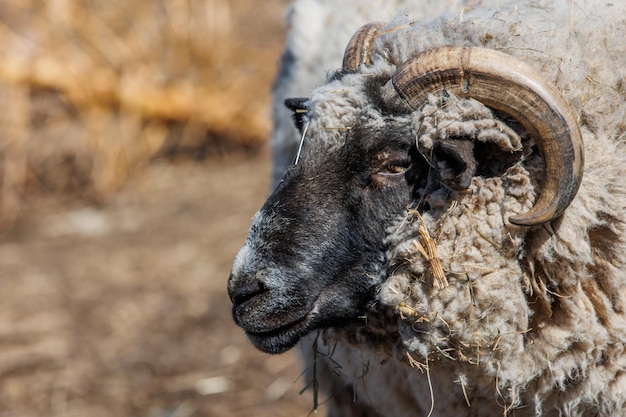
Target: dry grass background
x=132, y=157
x=94, y=89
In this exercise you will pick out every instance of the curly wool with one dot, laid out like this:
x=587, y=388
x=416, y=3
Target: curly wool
x=319, y=30
x=481, y=317
x=532, y=319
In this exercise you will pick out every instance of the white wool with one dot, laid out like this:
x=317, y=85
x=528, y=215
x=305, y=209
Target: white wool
x=319, y=31
x=533, y=321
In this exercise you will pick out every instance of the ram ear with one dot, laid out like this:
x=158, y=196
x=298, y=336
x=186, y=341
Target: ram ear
x=299, y=107
x=455, y=161
x=459, y=159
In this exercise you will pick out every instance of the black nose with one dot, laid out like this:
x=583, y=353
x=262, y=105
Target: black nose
x=246, y=291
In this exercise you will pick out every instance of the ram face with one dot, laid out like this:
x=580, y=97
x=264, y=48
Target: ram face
x=319, y=248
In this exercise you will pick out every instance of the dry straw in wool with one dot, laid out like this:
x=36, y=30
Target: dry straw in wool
x=532, y=319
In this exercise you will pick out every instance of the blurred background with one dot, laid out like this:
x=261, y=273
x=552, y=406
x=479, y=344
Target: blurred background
x=133, y=154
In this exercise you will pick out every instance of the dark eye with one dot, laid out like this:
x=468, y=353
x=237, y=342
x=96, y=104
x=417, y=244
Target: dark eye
x=395, y=167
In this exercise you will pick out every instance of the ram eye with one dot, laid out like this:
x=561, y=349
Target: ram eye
x=394, y=168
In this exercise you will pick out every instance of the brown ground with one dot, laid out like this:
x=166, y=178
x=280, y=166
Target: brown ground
x=122, y=310
x=132, y=158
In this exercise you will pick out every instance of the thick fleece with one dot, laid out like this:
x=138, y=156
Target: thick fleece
x=533, y=321
x=319, y=31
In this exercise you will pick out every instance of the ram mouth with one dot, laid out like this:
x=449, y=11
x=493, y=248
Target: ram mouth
x=283, y=338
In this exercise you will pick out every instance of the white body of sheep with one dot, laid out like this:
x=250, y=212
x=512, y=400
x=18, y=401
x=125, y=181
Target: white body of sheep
x=533, y=321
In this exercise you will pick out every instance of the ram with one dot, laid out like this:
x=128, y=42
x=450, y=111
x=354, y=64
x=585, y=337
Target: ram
x=451, y=237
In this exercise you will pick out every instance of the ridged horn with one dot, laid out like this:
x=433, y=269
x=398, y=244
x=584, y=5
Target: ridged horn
x=359, y=49
x=507, y=84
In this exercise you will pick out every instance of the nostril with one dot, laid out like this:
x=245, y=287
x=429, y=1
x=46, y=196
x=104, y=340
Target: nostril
x=247, y=291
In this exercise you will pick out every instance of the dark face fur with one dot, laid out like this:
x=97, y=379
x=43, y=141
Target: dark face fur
x=315, y=252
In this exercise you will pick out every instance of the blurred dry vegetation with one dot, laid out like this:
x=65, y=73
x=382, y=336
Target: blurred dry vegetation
x=132, y=137
x=93, y=89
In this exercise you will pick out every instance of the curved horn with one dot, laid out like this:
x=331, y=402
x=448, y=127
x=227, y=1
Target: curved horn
x=359, y=48
x=507, y=84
